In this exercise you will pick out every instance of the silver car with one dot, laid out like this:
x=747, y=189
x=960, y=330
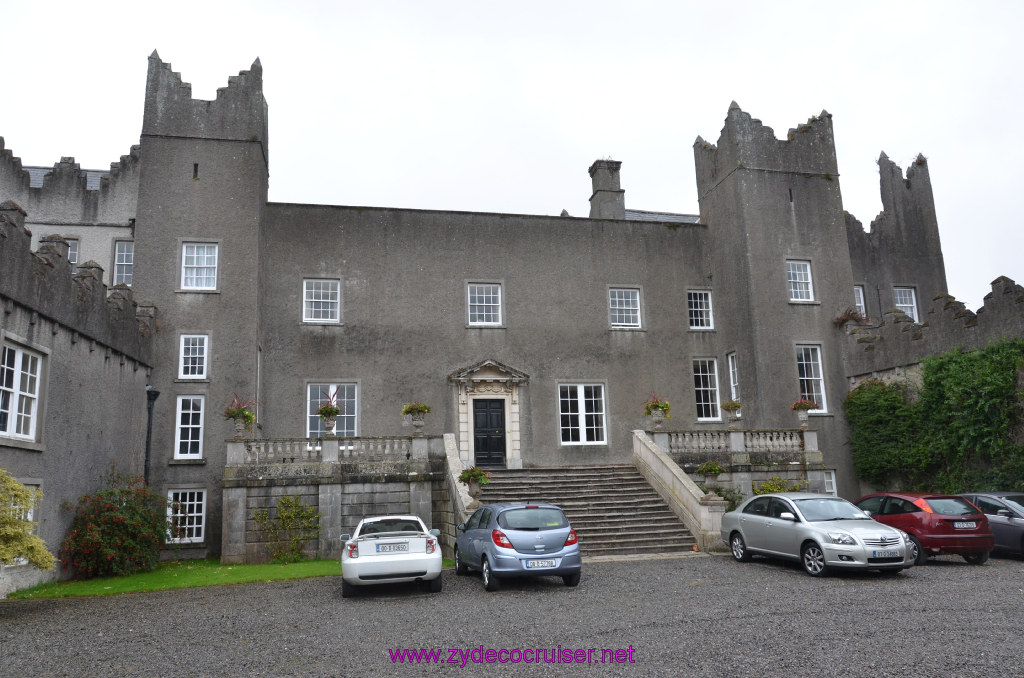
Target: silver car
x=518, y=540
x=822, y=532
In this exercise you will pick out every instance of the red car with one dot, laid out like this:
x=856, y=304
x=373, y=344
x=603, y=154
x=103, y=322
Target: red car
x=936, y=523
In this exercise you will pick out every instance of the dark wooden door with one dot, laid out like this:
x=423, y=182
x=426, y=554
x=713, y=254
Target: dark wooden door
x=489, y=432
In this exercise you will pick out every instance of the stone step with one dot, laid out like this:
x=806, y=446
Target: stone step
x=613, y=508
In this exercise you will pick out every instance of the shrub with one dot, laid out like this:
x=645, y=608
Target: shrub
x=962, y=430
x=16, y=538
x=117, y=531
x=710, y=468
x=777, y=484
x=287, y=533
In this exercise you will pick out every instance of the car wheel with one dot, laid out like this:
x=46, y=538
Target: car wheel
x=571, y=579
x=813, y=559
x=347, y=590
x=491, y=582
x=976, y=558
x=917, y=551
x=434, y=585
x=739, y=547
x=460, y=567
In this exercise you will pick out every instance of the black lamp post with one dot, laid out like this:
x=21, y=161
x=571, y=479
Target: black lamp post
x=151, y=395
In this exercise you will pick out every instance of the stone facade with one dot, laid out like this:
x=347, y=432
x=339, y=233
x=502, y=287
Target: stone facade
x=76, y=361
x=536, y=339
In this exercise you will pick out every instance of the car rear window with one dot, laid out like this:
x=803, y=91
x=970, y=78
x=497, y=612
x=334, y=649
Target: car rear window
x=390, y=527
x=951, y=506
x=532, y=519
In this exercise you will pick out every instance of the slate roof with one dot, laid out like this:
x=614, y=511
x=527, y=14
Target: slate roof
x=36, y=174
x=665, y=217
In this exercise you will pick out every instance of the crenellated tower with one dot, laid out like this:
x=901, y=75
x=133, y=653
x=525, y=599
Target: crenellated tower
x=202, y=196
x=779, y=265
x=901, y=255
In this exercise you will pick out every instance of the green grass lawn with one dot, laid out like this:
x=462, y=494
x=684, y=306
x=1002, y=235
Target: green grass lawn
x=180, y=574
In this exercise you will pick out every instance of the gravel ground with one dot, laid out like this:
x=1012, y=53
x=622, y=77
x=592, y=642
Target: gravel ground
x=693, y=616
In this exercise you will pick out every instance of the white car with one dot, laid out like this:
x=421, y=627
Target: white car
x=390, y=549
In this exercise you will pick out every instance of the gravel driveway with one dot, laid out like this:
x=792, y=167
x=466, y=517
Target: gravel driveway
x=692, y=616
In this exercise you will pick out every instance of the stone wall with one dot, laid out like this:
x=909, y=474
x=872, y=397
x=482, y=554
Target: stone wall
x=94, y=356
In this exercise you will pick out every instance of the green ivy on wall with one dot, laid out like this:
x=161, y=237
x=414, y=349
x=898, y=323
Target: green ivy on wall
x=961, y=431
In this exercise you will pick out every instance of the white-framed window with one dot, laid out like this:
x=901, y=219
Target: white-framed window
x=321, y=301
x=344, y=396
x=906, y=301
x=734, y=379
x=124, y=262
x=186, y=511
x=624, y=307
x=582, y=414
x=188, y=438
x=858, y=300
x=812, y=379
x=193, y=356
x=698, y=306
x=705, y=388
x=484, y=303
x=830, y=483
x=199, y=266
x=20, y=383
x=73, y=244
x=798, y=274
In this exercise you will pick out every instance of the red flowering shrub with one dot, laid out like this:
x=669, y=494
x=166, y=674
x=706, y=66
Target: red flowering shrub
x=117, y=531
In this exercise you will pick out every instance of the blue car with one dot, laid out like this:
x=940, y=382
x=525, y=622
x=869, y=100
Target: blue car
x=518, y=540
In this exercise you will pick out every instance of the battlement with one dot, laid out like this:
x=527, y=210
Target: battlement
x=68, y=194
x=899, y=342
x=239, y=113
x=747, y=143
x=43, y=283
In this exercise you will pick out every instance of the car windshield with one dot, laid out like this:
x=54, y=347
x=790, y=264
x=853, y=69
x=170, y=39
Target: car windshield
x=1015, y=501
x=951, y=506
x=390, y=527
x=532, y=519
x=823, y=508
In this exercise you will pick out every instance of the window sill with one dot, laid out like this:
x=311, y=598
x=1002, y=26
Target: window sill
x=485, y=327
x=701, y=329
x=187, y=462
x=197, y=380
x=627, y=329
x=186, y=290
x=29, y=445
x=323, y=323
x=800, y=302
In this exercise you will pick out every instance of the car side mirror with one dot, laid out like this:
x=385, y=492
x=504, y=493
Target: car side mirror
x=436, y=532
x=786, y=515
x=345, y=537
x=1004, y=513
x=866, y=512
x=461, y=527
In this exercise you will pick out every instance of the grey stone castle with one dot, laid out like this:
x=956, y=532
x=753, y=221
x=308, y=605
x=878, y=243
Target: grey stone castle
x=535, y=339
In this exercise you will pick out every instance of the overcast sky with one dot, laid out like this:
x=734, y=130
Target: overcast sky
x=502, y=107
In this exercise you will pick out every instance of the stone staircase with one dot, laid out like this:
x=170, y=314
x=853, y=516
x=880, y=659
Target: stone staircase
x=612, y=508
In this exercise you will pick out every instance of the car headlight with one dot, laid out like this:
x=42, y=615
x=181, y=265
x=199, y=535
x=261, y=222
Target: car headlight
x=842, y=538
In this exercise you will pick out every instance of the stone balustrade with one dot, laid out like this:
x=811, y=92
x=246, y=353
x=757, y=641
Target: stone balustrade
x=312, y=450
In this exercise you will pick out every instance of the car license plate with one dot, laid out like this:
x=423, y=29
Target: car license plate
x=539, y=563
x=391, y=548
x=885, y=554
x=967, y=525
